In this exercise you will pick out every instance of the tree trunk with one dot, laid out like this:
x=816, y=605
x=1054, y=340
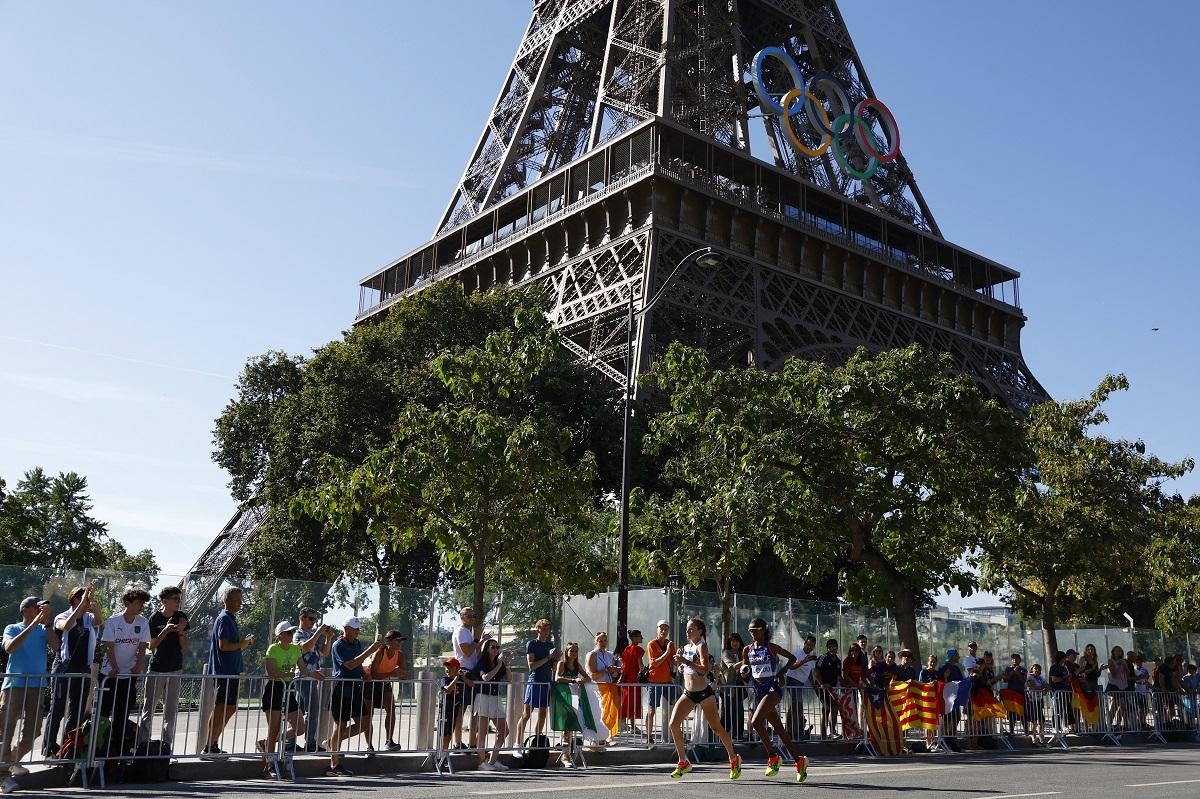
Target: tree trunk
x=385, y=605
x=1049, y=634
x=905, y=609
x=725, y=593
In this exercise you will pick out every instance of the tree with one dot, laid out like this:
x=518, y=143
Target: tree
x=1174, y=565
x=889, y=462
x=1084, y=503
x=347, y=401
x=487, y=475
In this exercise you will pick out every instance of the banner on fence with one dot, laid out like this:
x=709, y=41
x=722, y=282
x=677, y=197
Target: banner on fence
x=577, y=708
x=915, y=704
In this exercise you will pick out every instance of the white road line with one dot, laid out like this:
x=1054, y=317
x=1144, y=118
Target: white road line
x=1020, y=795
x=1153, y=784
x=814, y=773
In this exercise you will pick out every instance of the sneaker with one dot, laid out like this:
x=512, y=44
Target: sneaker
x=18, y=771
x=498, y=766
x=392, y=746
x=773, y=765
x=268, y=772
x=338, y=771
x=735, y=768
x=370, y=751
x=261, y=745
x=9, y=785
x=486, y=766
x=801, y=769
x=681, y=768
x=313, y=746
x=566, y=761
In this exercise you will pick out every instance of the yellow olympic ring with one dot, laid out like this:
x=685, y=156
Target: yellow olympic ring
x=791, y=97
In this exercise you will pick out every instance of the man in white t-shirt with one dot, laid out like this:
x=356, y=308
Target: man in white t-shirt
x=971, y=658
x=799, y=685
x=466, y=649
x=127, y=637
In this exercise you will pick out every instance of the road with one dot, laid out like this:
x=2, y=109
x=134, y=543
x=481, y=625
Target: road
x=1164, y=773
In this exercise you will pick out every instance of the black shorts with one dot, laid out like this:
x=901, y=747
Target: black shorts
x=273, y=697
x=347, y=702
x=378, y=693
x=226, y=690
x=699, y=696
x=450, y=710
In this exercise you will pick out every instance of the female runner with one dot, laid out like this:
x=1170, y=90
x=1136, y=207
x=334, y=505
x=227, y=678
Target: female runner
x=760, y=662
x=694, y=661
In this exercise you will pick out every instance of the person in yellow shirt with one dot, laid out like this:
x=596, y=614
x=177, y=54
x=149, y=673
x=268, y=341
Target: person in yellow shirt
x=284, y=659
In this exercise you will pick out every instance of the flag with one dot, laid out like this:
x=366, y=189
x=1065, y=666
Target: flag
x=956, y=694
x=610, y=704
x=845, y=701
x=1087, y=702
x=1014, y=701
x=986, y=706
x=915, y=704
x=577, y=708
x=882, y=723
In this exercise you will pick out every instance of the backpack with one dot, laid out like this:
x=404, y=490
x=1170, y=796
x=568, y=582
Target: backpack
x=537, y=751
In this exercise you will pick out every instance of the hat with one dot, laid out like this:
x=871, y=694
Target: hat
x=905, y=651
x=1072, y=652
x=284, y=626
x=394, y=635
x=972, y=644
x=951, y=653
x=663, y=623
x=30, y=602
x=353, y=623
x=452, y=662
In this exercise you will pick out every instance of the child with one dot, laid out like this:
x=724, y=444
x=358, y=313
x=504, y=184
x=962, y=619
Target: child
x=453, y=698
x=1035, y=724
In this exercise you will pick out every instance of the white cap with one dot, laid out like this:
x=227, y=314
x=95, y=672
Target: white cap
x=284, y=627
x=663, y=623
x=353, y=623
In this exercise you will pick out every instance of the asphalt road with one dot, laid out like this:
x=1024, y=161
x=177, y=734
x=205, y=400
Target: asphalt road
x=1163, y=773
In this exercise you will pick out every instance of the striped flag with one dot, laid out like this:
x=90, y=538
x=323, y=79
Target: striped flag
x=1087, y=702
x=1014, y=701
x=577, y=708
x=985, y=705
x=610, y=704
x=845, y=701
x=882, y=723
x=915, y=704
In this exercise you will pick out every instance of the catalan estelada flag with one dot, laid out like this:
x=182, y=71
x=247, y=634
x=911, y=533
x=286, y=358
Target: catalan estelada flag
x=915, y=704
x=1014, y=701
x=1087, y=701
x=882, y=723
x=985, y=705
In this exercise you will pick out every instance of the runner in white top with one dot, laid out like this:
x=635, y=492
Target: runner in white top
x=693, y=661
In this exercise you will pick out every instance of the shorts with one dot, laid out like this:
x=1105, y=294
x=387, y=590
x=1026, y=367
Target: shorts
x=273, y=697
x=766, y=688
x=226, y=690
x=661, y=693
x=537, y=694
x=450, y=711
x=489, y=706
x=377, y=693
x=347, y=702
x=697, y=697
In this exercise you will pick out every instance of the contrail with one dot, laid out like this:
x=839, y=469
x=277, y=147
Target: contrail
x=114, y=357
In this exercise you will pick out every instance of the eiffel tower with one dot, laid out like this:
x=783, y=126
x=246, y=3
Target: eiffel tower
x=630, y=133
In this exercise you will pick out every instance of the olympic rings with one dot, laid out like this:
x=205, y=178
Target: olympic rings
x=847, y=120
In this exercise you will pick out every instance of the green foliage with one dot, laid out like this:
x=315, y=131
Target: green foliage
x=1174, y=565
x=489, y=475
x=888, y=461
x=1087, y=501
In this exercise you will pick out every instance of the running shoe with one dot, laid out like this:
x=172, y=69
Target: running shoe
x=773, y=765
x=801, y=768
x=735, y=767
x=681, y=768
x=338, y=771
x=9, y=785
x=17, y=771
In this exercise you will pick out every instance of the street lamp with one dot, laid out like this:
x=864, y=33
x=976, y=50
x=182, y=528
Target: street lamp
x=707, y=258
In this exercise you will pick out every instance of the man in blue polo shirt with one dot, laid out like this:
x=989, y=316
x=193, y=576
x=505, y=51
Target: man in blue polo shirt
x=28, y=646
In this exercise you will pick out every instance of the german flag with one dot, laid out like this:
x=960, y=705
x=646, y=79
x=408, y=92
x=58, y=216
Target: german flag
x=985, y=705
x=1087, y=701
x=1014, y=701
x=915, y=704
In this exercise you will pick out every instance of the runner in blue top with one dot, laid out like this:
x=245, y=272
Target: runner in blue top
x=696, y=666
x=760, y=662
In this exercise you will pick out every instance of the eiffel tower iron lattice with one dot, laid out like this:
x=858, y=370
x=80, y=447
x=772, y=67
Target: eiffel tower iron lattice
x=627, y=133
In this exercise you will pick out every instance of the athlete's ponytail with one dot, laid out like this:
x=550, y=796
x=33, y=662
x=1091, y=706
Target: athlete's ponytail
x=699, y=623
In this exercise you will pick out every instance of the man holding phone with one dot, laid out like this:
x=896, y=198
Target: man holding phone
x=316, y=645
x=77, y=629
x=168, y=642
x=27, y=645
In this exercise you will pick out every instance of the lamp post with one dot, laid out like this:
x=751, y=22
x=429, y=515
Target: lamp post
x=709, y=259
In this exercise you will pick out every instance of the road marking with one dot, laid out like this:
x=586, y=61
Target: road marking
x=1020, y=795
x=1153, y=784
x=817, y=773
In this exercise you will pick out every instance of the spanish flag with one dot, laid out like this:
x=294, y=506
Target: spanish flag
x=1087, y=701
x=1014, y=701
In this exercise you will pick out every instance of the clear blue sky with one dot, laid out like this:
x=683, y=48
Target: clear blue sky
x=187, y=185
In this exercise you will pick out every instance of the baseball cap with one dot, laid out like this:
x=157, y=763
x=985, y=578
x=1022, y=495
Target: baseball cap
x=951, y=653
x=284, y=626
x=30, y=602
x=973, y=644
x=452, y=662
x=1072, y=652
x=663, y=623
x=395, y=636
x=353, y=623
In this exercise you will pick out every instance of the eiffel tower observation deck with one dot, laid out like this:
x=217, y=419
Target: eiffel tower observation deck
x=630, y=133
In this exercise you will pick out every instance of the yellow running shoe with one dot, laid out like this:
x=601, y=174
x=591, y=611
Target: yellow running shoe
x=773, y=765
x=681, y=768
x=801, y=769
x=735, y=768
